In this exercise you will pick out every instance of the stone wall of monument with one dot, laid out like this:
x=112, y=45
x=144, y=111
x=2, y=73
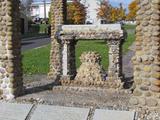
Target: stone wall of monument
x=147, y=58
x=11, y=84
x=58, y=8
x=90, y=73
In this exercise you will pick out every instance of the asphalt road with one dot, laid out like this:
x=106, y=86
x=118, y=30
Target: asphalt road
x=28, y=44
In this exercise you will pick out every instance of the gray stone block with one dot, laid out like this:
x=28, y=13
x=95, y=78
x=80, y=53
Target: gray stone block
x=44, y=112
x=9, y=111
x=113, y=115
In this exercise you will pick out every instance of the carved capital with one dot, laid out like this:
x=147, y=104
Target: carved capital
x=113, y=42
x=114, y=46
x=68, y=39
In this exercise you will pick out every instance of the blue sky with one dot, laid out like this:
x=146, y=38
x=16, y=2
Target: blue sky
x=113, y=2
x=124, y=2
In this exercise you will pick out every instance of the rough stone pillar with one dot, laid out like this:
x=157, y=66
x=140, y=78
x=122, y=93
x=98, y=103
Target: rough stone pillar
x=58, y=17
x=147, y=58
x=68, y=57
x=11, y=84
x=115, y=60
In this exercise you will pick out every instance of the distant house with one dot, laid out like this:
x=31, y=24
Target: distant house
x=38, y=9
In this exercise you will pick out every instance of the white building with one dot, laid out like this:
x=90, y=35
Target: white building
x=38, y=10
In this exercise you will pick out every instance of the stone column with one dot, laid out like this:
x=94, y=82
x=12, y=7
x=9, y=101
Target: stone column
x=68, y=57
x=115, y=61
x=11, y=84
x=147, y=58
x=58, y=18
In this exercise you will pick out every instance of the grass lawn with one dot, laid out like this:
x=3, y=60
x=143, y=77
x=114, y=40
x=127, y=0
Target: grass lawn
x=36, y=61
x=127, y=26
x=92, y=45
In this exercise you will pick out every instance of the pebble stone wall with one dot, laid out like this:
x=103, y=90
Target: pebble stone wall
x=147, y=58
x=58, y=8
x=11, y=84
x=90, y=71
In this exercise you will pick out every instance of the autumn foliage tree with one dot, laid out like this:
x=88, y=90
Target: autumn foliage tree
x=132, y=10
x=121, y=12
x=104, y=11
x=114, y=16
x=110, y=13
x=76, y=12
x=118, y=13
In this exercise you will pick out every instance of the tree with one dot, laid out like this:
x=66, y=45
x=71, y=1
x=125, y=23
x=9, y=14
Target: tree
x=25, y=6
x=132, y=10
x=110, y=13
x=114, y=14
x=104, y=11
x=76, y=12
x=121, y=12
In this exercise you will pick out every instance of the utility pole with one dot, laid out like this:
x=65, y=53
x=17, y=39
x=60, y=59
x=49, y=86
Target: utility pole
x=44, y=10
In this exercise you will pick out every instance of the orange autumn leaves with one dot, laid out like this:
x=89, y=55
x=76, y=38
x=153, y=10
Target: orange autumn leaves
x=113, y=14
x=133, y=7
x=76, y=13
x=110, y=13
x=104, y=11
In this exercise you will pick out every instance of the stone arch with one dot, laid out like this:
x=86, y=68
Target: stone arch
x=58, y=9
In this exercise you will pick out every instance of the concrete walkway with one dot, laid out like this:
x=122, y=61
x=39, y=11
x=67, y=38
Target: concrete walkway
x=14, y=111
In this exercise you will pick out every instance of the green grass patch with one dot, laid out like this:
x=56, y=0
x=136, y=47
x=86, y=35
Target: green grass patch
x=128, y=42
x=130, y=37
x=36, y=61
x=128, y=26
x=92, y=45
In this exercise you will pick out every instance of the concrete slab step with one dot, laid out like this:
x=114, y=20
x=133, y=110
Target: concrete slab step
x=13, y=111
x=113, y=115
x=9, y=111
x=45, y=112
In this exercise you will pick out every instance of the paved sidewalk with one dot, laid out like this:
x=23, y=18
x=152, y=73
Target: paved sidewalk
x=14, y=111
x=34, y=43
